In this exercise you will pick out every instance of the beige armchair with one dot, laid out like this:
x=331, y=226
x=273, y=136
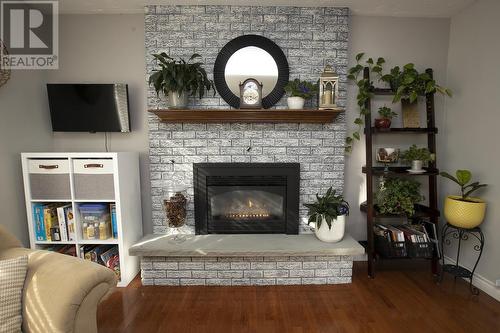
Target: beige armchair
x=61, y=293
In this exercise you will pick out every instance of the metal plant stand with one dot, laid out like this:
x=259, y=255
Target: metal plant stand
x=451, y=232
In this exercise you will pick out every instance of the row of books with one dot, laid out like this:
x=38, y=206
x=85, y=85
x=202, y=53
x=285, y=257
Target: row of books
x=54, y=222
x=106, y=255
x=402, y=233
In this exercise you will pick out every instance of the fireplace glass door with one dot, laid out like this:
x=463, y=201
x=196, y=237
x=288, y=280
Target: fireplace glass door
x=246, y=208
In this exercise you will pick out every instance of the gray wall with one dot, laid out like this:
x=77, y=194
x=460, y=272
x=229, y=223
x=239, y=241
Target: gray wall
x=469, y=137
x=107, y=49
x=25, y=126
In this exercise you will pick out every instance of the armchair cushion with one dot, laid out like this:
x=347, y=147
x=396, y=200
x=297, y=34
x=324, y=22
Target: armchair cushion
x=12, y=276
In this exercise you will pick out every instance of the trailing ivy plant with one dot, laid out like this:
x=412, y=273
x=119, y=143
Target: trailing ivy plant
x=365, y=92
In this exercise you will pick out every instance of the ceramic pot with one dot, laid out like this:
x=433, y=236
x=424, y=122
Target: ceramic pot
x=416, y=165
x=333, y=235
x=382, y=123
x=177, y=99
x=295, y=103
x=464, y=214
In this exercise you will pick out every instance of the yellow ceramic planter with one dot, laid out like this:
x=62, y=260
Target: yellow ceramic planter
x=464, y=214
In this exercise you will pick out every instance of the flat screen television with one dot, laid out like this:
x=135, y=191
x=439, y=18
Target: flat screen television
x=89, y=107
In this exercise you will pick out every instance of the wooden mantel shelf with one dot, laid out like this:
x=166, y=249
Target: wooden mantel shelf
x=246, y=115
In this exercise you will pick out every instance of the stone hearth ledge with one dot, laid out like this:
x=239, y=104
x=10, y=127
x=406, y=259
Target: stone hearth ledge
x=242, y=246
x=244, y=260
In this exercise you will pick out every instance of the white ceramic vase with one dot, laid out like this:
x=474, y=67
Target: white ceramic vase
x=295, y=103
x=333, y=235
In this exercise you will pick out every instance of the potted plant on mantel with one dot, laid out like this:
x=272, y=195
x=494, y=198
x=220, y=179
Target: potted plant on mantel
x=329, y=213
x=464, y=211
x=386, y=114
x=407, y=85
x=417, y=157
x=176, y=79
x=299, y=91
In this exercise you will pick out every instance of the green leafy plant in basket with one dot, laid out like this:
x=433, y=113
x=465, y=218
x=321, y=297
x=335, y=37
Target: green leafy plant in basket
x=398, y=196
x=180, y=76
x=409, y=83
x=329, y=207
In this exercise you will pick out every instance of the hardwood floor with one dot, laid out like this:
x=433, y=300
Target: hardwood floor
x=395, y=301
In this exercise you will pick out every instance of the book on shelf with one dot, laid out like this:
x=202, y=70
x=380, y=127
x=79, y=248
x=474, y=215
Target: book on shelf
x=114, y=226
x=51, y=222
x=70, y=221
x=63, y=224
x=38, y=221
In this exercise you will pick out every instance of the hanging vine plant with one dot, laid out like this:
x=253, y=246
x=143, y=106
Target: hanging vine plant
x=365, y=92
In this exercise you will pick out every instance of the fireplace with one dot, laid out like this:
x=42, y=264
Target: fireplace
x=246, y=198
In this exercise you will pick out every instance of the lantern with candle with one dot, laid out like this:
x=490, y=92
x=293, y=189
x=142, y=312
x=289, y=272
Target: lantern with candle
x=328, y=89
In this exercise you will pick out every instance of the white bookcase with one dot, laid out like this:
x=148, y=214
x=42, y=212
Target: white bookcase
x=78, y=178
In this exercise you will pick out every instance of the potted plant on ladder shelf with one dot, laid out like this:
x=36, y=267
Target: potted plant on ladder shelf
x=329, y=213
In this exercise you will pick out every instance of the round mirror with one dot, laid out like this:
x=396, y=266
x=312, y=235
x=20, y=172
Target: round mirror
x=251, y=56
x=251, y=62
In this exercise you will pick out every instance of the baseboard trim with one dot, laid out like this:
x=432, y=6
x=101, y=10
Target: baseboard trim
x=480, y=282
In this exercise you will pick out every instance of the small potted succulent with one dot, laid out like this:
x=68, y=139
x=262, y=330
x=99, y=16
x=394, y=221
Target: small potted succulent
x=299, y=91
x=464, y=211
x=329, y=213
x=386, y=114
x=176, y=79
x=417, y=157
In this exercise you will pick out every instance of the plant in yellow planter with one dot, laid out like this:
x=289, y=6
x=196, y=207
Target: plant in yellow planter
x=464, y=211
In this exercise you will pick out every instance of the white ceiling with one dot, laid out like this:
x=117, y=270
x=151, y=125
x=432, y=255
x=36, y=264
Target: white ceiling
x=397, y=8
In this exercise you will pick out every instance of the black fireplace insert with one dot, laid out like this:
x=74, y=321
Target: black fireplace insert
x=246, y=198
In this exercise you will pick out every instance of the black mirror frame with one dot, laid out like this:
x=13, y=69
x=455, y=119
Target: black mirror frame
x=238, y=43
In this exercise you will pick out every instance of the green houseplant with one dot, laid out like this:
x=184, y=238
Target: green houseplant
x=417, y=156
x=329, y=212
x=407, y=84
x=386, y=114
x=298, y=92
x=398, y=196
x=464, y=211
x=178, y=78
x=365, y=92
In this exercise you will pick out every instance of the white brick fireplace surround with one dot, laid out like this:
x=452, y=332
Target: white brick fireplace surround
x=310, y=38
